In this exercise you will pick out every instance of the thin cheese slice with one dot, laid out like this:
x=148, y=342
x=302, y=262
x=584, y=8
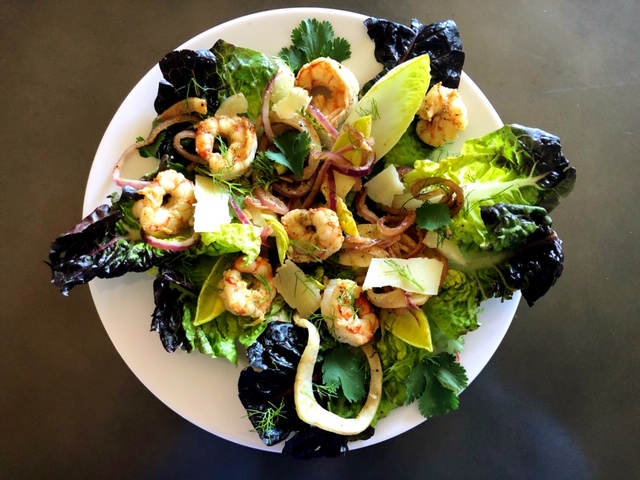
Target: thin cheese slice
x=299, y=291
x=212, y=206
x=385, y=186
x=416, y=275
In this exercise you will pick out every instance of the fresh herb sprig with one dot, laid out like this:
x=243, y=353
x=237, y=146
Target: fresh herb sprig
x=313, y=39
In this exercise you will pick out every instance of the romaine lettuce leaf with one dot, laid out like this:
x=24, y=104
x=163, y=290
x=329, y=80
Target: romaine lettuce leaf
x=243, y=70
x=513, y=165
x=232, y=238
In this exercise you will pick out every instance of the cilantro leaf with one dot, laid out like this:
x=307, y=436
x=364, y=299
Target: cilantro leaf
x=342, y=366
x=431, y=216
x=417, y=382
x=312, y=39
x=294, y=149
x=437, y=400
x=435, y=383
x=451, y=374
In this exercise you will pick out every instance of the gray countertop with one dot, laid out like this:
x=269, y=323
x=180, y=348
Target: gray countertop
x=559, y=399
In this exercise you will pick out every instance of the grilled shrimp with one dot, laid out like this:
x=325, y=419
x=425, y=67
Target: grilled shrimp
x=167, y=206
x=333, y=88
x=242, y=140
x=240, y=297
x=348, y=314
x=315, y=234
x=443, y=116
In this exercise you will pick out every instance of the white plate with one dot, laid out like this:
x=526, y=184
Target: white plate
x=201, y=389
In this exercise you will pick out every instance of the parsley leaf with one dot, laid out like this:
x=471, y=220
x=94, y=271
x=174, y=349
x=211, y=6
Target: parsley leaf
x=435, y=383
x=312, y=39
x=432, y=216
x=342, y=366
x=294, y=149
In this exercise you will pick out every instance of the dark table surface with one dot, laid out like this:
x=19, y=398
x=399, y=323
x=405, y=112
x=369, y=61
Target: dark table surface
x=559, y=399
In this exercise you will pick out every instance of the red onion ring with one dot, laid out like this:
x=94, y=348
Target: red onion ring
x=344, y=166
x=264, y=112
x=407, y=221
x=318, y=183
x=270, y=202
x=322, y=120
x=265, y=234
x=333, y=196
x=362, y=208
x=182, y=151
x=239, y=212
x=170, y=245
x=139, y=184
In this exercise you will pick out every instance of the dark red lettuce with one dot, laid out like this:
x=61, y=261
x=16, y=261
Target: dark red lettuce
x=105, y=244
x=187, y=73
x=168, y=315
x=396, y=43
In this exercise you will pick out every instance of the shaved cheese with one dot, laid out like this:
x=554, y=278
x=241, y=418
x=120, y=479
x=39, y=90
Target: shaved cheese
x=385, y=186
x=405, y=200
x=233, y=106
x=310, y=411
x=212, y=206
x=416, y=275
x=295, y=100
x=298, y=290
x=446, y=247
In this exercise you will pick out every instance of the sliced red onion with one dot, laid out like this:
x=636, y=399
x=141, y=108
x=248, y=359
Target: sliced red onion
x=264, y=113
x=333, y=196
x=127, y=182
x=265, y=234
x=139, y=184
x=169, y=244
x=272, y=203
x=322, y=120
x=344, y=166
x=182, y=151
x=326, y=165
x=239, y=212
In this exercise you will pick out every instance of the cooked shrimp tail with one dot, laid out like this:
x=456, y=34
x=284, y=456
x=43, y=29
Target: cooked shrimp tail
x=251, y=298
x=234, y=159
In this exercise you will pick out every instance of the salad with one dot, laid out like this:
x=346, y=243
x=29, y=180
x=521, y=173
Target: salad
x=322, y=227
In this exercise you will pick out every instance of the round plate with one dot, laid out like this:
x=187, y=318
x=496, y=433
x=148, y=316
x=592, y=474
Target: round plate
x=201, y=389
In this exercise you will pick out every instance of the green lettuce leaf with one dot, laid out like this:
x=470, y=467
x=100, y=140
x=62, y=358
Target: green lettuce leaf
x=243, y=70
x=232, y=238
x=513, y=165
x=219, y=337
x=456, y=308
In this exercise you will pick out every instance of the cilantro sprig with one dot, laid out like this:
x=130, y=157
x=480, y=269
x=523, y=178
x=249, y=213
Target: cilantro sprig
x=343, y=367
x=432, y=216
x=294, y=149
x=435, y=383
x=312, y=39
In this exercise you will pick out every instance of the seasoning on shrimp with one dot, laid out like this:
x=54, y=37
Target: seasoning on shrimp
x=167, y=206
x=333, y=88
x=443, y=116
x=348, y=314
x=251, y=300
x=314, y=234
x=235, y=159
